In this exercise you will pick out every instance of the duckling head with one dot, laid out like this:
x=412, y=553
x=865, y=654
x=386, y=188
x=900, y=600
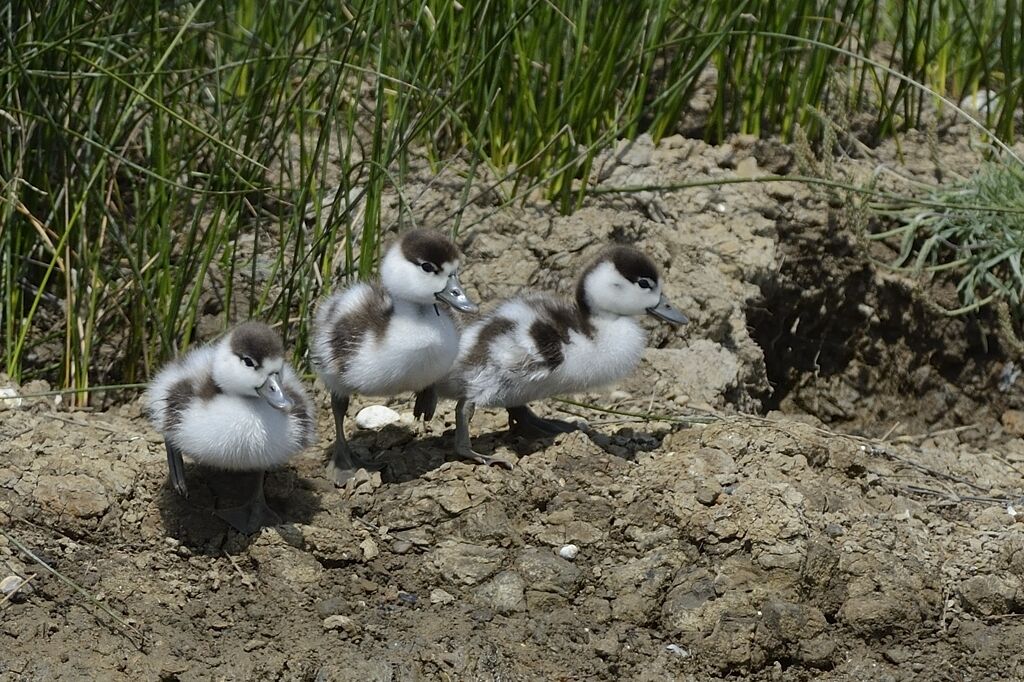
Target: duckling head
x=423, y=267
x=621, y=281
x=249, y=362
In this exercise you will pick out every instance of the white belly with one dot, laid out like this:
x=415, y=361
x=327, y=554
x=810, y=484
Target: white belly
x=233, y=432
x=417, y=350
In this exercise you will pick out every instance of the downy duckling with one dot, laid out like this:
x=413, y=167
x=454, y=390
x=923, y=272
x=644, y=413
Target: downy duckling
x=236, y=405
x=536, y=346
x=390, y=337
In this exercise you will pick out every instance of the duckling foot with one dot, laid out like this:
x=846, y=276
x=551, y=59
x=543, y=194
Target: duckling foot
x=474, y=456
x=345, y=464
x=254, y=514
x=249, y=518
x=522, y=421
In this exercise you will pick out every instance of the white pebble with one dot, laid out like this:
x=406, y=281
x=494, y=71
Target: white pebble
x=10, y=584
x=9, y=399
x=376, y=416
x=569, y=552
x=677, y=650
x=439, y=596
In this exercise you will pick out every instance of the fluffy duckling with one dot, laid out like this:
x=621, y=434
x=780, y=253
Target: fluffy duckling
x=390, y=337
x=236, y=405
x=536, y=346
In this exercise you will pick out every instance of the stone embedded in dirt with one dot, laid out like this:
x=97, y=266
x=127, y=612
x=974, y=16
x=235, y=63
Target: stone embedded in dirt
x=439, y=596
x=76, y=495
x=465, y=563
x=991, y=595
x=704, y=371
x=15, y=585
x=343, y=624
x=1013, y=422
x=369, y=549
x=504, y=593
x=333, y=606
x=789, y=630
x=545, y=572
x=879, y=614
x=569, y=552
x=279, y=562
x=9, y=398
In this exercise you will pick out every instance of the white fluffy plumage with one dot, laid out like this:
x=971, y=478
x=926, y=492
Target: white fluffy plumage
x=206, y=404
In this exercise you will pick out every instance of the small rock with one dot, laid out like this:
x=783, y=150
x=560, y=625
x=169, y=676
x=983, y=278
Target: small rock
x=370, y=549
x=1013, y=422
x=376, y=417
x=607, y=647
x=545, y=572
x=834, y=530
x=505, y=593
x=401, y=546
x=341, y=623
x=14, y=583
x=407, y=597
x=569, y=552
x=990, y=595
x=439, y=596
x=332, y=607
x=677, y=650
x=253, y=644
x=9, y=399
x=707, y=494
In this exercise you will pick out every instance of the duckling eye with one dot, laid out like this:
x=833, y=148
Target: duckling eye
x=249, y=362
x=645, y=283
x=428, y=267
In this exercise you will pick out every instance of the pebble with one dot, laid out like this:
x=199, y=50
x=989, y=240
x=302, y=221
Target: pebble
x=401, y=546
x=9, y=399
x=376, y=417
x=569, y=552
x=10, y=584
x=439, y=596
x=342, y=623
x=677, y=650
x=370, y=549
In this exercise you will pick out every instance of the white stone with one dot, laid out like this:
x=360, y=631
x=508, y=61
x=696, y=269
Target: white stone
x=9, y=398
x=10, y=584
x=439, y=596
x=569, y=552
x=376, y=417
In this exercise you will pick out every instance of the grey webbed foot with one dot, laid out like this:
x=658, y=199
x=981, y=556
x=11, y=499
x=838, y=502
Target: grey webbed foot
x=248, y=518
x=523, y=421
x=344, y=464
x=463, y=416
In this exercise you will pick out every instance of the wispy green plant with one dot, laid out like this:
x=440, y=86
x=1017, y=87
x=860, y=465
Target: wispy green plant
x=165, y=163
x=974, y=233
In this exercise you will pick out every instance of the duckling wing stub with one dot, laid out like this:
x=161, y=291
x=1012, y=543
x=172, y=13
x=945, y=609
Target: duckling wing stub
x=549, y=341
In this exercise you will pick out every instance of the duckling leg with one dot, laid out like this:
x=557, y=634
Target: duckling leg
x=176, y=467
x=463, y=415
x=254, y=514
x=344, y=463
x=426, y=403
x=523, y=420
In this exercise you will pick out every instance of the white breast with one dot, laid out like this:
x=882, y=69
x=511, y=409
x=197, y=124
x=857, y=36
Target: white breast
x=229, y=431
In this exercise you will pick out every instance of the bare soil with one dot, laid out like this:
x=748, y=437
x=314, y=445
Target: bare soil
x=839, y=508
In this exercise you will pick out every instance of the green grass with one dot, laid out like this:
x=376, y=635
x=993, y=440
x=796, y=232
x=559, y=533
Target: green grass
x=974, y=231
x=152, y=153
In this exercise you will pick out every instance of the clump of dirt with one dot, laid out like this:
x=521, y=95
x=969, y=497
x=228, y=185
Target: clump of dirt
x=730, y=546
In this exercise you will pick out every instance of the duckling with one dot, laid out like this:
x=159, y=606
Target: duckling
x=536, y=345
x=236, y=405
x=390, y=337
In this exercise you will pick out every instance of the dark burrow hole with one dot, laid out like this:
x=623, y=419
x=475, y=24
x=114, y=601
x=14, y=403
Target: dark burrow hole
x=848, y=341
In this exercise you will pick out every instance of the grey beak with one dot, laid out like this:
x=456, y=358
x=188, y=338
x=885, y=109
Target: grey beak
x=665, y=311
x=271, y=392
x=453, y=295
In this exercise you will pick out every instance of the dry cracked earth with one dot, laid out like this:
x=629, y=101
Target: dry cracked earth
x=829, y=496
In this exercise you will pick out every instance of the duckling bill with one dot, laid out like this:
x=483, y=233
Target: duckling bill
x=391, y=336
x=536, y=346
x=234, y=405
